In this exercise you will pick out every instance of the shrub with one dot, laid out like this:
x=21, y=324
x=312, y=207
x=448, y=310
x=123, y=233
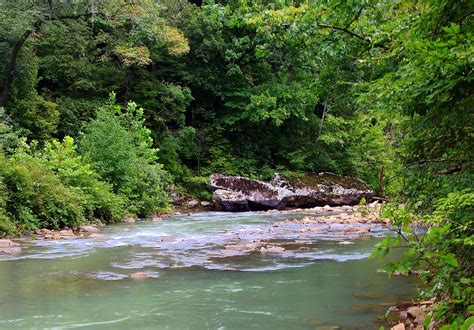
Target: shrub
x=36, y=197
x=99, y=200
x=119, y=147
x=196, y=186
x=6, y=225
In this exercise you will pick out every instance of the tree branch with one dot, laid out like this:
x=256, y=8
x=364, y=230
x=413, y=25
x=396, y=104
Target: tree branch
x=451, y=170
x=339, y=28
x=420, y=162
x=355, y=18
x=349, y=32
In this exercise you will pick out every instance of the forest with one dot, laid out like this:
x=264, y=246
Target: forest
x=108, y=108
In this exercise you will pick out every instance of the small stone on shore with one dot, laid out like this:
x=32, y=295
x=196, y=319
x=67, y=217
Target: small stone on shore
x=193, y=203
x=205, y=204
x=399, y=326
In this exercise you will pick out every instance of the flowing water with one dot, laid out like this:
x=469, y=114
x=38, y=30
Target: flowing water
x=200, y=277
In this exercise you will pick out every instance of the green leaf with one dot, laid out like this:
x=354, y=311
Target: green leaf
x=468, y=323
x=451, y=260
x=427, y=321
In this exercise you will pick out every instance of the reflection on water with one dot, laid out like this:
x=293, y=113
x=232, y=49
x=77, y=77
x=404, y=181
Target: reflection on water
x=199, y=277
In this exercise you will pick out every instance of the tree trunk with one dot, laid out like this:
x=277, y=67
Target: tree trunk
x=8, y=76
x=380, y=188
x=325, y=112
x=128, y=79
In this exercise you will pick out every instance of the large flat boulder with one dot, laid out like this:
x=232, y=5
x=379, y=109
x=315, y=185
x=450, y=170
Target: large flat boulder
x=236, y=193
x=311, y=189
x=247, y=194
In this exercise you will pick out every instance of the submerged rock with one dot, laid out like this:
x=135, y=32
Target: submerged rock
x=272, y=249
x=156, y=218
x=139, y=276
x=168, y=239
x=236, y=193
x=8, y=246
x=96, y=235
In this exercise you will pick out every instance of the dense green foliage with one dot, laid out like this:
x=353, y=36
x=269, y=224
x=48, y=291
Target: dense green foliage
x=381, y=90
x=430, y=85
x=120, y=149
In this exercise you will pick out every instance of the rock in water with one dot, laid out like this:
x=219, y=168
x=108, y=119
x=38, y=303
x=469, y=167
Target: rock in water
x=88, y=229
x=139, y=276
x=7, y=246
x=236, y=193
x=96, y=235
x=272, y=249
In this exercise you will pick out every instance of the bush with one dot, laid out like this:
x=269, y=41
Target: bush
x=196, y=186
x=36, y=197
x=6, y=225
x=119, y=147
x=99, y=200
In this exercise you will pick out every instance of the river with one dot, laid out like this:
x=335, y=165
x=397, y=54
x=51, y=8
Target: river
x=199, y=277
